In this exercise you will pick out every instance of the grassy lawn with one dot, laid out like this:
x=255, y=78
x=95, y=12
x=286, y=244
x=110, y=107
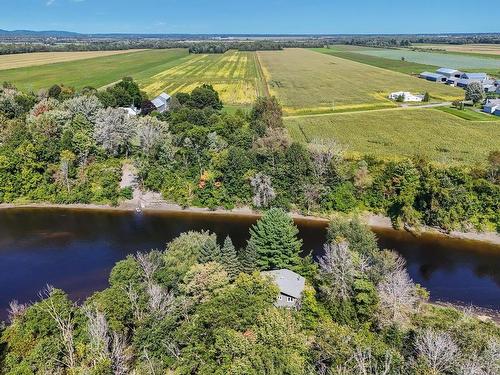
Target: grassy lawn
x=235, y=75
x=308, y=82
x=469, y=114
x=95, y=72
x=438, y=135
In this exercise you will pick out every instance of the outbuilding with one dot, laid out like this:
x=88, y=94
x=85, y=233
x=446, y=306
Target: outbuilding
x=491, y=106
x=433, y=77
x=291, y=286
x=162, y=102
x=475, y=76
x=449, y=72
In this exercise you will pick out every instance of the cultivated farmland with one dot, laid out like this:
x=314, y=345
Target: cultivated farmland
x=41, y=58
x=484, y=49
x=440, y=136
x=307, y=81
x=235, y=75
x=454, y=60
x=96, y=72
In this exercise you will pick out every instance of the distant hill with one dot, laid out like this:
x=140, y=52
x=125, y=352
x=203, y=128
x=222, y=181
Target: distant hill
x=31, y=33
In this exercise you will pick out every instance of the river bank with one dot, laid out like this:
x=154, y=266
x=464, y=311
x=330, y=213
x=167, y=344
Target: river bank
x=151, y=203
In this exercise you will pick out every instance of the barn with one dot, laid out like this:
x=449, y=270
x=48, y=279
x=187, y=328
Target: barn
x=449, y=72
x=433, y=77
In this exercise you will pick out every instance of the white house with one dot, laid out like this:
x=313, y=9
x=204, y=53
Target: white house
x=162, y=102
x=291, y=286
x=491, y=105
x=131, y=111
x=407, y=96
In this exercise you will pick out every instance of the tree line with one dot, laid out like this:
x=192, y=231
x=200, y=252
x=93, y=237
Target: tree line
x=203, y=306
x=67, y=147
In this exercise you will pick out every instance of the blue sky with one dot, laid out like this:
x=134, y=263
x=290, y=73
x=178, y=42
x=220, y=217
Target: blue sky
x=251, y=16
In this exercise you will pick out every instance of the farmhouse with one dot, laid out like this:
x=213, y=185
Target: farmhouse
x=492, y=106
x=291, y=286
x=449, y=73
x=406, y=96
x=433, y=77
x=162, y=102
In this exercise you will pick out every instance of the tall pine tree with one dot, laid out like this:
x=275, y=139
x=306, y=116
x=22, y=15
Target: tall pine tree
x=275, y=240
x=248, y=258
x=229, y=259
x=210, y=251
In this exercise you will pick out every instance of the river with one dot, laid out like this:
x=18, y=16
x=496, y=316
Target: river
x=74, y=250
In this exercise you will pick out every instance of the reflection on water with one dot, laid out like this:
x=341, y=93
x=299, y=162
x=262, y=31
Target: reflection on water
x=75, y=249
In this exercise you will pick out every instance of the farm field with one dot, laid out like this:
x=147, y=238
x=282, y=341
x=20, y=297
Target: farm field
x=440, y=136
x=95, y=72
x=41, y=58
x=458, y=61
x=235, y=75
x=309, y=82
x=349, y=53
x=483, y=49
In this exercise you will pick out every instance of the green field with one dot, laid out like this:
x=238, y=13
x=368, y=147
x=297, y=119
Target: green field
x=307, y=82
x=439, y=136
x=235, y=75
x=349, y=53
x=95, y=72
x=461, y=61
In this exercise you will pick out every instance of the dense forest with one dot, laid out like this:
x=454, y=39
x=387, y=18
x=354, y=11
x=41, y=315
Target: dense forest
x=66, y=147
x=202, y=306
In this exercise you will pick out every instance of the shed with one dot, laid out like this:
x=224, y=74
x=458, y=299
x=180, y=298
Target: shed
x=162, y=102
x=291, y=286
x=433, y=77
x=449, y=72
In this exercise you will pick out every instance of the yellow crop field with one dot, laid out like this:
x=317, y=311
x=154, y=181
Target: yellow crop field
x=42, y=58
x=308, y=81
x=235, y=75
x=488, y=49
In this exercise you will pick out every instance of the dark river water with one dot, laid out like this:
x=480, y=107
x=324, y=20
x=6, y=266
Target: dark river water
x=74, y=250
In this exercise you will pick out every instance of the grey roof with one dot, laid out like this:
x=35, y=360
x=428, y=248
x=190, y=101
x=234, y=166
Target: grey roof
x=432, y=75
x=492, y=102
x=289, y=282
x=475, y=75
x=446, y=71
x=157, y=102
x=165, y=96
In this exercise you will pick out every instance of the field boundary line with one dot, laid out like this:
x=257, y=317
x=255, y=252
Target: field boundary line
x=263, y=80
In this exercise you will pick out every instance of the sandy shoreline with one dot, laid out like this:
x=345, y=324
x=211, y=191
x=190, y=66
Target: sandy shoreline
x=372, y=220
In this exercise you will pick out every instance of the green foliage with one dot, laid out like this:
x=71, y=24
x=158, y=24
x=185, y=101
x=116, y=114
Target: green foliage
x=229, y=258
x=275, y=240
x=359, y=236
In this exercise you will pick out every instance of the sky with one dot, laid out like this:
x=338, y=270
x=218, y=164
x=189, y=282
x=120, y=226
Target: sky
x=251, y=16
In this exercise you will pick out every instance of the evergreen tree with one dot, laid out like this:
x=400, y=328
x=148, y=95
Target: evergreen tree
x=210, y=251
x=229, y=258
x=248, y=258
x=275, y=240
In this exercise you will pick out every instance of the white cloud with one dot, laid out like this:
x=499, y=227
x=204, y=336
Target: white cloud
x=50, y=2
